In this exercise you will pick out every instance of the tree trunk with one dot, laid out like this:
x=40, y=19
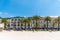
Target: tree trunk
x=47, y=25
x=58, y=26
x=36, y=25
x=53, y=27
x=25, y=25
x=4, y=26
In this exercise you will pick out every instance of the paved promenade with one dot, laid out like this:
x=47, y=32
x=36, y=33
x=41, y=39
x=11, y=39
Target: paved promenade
x=29, y=35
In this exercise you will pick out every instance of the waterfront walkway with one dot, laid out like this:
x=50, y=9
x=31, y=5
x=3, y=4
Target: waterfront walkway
x=29, y=35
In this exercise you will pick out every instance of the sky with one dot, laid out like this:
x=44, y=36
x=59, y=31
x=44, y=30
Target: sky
x=10, y=8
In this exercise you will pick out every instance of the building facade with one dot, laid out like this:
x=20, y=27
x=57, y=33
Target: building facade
x=15, y=23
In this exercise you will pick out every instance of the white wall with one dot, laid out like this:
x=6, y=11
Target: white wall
x=2, y=25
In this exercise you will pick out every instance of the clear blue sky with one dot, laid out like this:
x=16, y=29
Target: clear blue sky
x=29, y=8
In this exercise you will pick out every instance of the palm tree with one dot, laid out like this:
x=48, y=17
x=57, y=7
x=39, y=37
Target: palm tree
x=29, y=20
x=36, y=18
x=38, y=25
x=24, y=21
x=47, y=19
x=58, y=21
x=53, y=24
x=5, y=21
x=44, y=26
x=14, y=25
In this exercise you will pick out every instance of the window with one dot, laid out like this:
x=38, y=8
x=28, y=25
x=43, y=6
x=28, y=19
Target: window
x=28, y=24
x=21, y=24
x=15, y=19
x=18, y=19
x=11, y=24
x=14, y=24
x=11, y=19
x=8, y=25
x=18, y=24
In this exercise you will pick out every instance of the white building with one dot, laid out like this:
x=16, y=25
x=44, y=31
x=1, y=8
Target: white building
x=16, y=23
